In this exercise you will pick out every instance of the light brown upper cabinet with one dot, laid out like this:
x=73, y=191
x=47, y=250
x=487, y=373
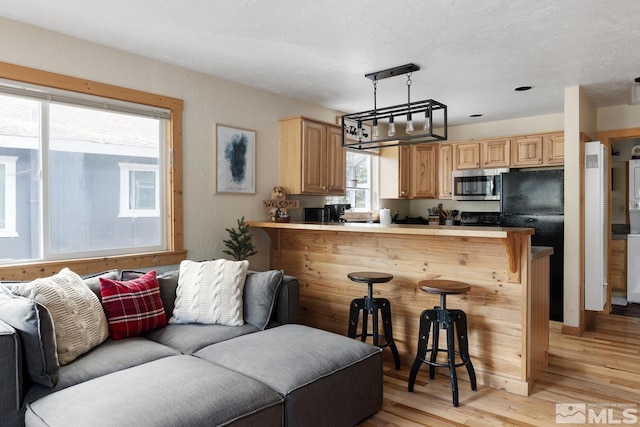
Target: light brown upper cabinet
x=538, y=150
x=312, y=160
x=553, y=150
x=395, y=178
x=445, y=167
x=482, y=154
x=409, y=171
x=526, y=151
x=425, y=174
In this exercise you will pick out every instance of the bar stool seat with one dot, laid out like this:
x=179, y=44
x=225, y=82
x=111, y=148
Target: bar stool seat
x=455, y=323
x=370, y=306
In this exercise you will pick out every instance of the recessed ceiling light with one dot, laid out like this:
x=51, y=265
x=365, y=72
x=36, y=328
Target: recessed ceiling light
x=522, y=88
x=475, y=115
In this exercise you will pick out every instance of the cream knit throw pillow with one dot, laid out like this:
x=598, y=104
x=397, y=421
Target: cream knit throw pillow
x=210, y=292
x=78, y=318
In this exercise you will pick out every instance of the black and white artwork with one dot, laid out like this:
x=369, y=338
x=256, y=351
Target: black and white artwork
x=235, y=160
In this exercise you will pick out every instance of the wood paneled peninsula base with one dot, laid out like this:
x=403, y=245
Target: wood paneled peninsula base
x=507, y=307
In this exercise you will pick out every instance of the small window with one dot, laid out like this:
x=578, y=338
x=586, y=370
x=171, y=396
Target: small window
x=139, y=190
x=362, y=182
x=8, y=196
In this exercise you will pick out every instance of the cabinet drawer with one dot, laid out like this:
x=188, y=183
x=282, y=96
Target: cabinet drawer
x=618, y=261
x=618, y=281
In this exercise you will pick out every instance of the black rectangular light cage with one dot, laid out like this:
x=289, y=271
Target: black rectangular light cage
x=419, y=110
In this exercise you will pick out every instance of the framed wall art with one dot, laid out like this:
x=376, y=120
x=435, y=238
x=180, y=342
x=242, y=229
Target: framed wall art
x=235, y=160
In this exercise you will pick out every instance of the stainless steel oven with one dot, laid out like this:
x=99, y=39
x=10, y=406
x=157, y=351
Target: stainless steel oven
x=477, y=184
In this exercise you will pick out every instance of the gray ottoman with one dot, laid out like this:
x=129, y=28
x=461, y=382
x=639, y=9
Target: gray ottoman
x=325, y=378
x=174, y=391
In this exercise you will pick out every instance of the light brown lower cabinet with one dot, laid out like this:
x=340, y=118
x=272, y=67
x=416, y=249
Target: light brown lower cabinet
x=618, y=266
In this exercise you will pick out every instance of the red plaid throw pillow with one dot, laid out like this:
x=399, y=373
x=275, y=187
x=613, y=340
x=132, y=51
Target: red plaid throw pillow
x=132, y=307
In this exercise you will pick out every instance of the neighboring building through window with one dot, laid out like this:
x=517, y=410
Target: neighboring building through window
x=8, y=196
x=62, y=188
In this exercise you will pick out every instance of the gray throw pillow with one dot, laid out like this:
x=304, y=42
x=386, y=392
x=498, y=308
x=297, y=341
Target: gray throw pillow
x=168, y=283
x=260, y=292
x=93, y=281
x=34, y=325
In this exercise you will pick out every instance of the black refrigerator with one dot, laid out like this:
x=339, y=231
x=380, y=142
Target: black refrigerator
x=535, y=199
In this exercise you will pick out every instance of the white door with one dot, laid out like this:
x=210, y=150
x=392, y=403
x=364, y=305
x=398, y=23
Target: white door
x=633, y=268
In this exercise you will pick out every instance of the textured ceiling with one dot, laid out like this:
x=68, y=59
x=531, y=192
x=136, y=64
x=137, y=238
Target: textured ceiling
x=472, y=53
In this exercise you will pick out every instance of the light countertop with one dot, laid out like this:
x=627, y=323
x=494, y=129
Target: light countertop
x=414, y=229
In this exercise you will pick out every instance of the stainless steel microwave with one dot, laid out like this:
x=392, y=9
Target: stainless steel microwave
x=476, y=184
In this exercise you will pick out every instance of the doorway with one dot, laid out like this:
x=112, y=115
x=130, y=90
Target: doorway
x=620, y=143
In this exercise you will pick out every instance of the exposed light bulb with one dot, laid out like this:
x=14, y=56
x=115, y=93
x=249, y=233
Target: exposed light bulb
x=427, y=122
x=359, y=131
x=409, y=127
x=376, y=130
x=392, y=127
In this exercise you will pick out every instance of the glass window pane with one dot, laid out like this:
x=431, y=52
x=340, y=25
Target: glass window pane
x=86, y=147
x=3, y=195
x=20, y=198
x=143, y=191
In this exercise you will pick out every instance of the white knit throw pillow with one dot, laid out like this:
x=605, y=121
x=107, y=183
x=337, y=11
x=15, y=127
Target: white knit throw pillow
x=210, y=292
x=78, y=318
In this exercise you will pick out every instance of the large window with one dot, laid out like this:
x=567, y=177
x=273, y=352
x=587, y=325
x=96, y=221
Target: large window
x=79, y=176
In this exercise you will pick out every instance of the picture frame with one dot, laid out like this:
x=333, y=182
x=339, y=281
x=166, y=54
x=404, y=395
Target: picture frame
x=235, y=160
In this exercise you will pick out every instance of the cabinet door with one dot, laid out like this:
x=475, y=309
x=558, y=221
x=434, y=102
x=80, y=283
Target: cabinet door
x=337, y=162
x=467, y=155
x=618, y=265
x=405, y=172
x=526, y=151
x=314, y=158
x=394, y=179
x=445, y=167
x=424, y=171
x=496, y=154
x=554, y=149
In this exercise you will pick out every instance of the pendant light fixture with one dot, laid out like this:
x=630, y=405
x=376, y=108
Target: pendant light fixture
x=408, y=111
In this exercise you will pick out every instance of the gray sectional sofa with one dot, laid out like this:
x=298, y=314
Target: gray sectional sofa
x=284, y=374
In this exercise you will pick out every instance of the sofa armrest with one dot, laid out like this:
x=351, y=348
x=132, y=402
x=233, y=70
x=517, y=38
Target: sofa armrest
x=288, y=304
x=10, y=376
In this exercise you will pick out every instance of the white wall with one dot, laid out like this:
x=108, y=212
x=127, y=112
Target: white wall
x=207, y=101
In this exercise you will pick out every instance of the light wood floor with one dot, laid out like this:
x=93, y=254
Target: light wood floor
x=601, y=367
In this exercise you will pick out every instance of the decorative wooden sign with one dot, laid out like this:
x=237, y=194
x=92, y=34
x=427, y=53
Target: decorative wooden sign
x=279, y=206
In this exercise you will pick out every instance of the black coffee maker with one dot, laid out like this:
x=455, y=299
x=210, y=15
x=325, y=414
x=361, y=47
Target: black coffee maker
x=337, y=210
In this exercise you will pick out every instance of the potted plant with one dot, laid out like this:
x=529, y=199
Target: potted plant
x=240, y=245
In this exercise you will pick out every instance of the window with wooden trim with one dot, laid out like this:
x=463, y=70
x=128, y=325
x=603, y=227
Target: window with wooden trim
x=86, y=177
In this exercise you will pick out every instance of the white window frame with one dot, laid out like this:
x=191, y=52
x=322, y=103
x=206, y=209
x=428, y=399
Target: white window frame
x=125, y=190
x=372, y=201
x=10, y=229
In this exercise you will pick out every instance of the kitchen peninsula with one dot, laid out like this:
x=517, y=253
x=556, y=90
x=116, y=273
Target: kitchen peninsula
x=507, y=306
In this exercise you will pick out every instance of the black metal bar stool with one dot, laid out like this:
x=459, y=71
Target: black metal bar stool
x=455, y=322
x=369, y=305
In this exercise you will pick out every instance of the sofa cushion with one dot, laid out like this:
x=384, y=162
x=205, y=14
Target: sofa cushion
x=79, y=321
x=189, y=338
x=168, y=282
x=326, y=379
x=93, y=281
x=35, y=328
x=174, y=391
x=110, y=356
x=260, y=292
x=133, y=306
x=210, y=292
